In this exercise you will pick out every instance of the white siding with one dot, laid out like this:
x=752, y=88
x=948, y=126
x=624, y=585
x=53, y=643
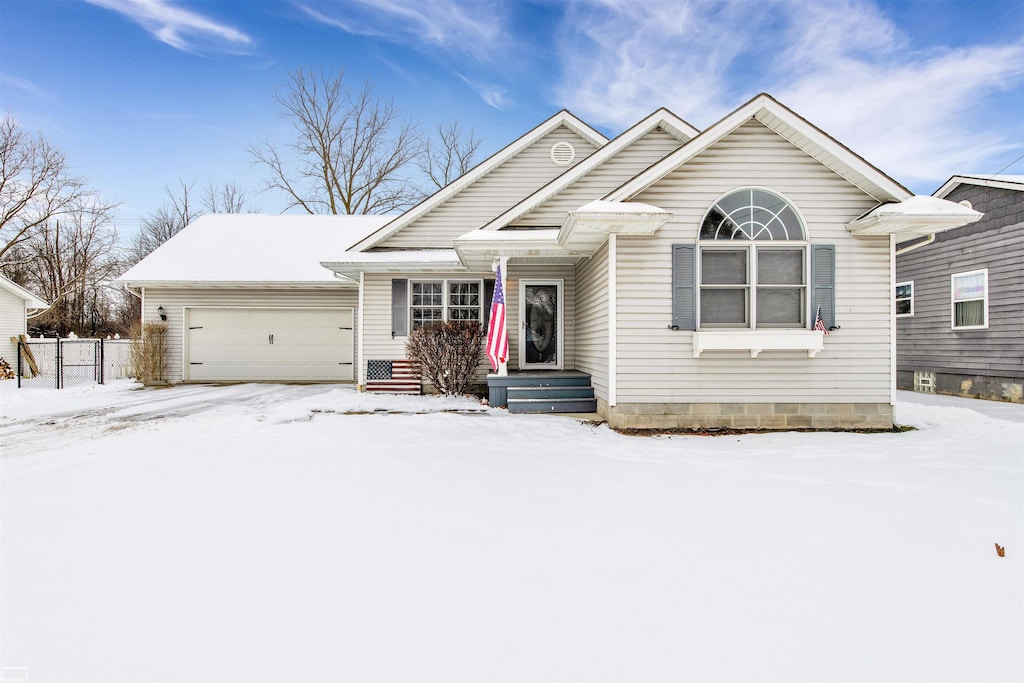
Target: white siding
x=592, y=320
x=12, y=324
x=503, y=187
x=656, y=364
x=378, y=344
x=174, y=302
x=630, y=161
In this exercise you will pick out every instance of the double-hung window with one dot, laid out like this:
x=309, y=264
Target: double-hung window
x=437, y=300
x=753, y=265
x=904, y=299
x=970, y=300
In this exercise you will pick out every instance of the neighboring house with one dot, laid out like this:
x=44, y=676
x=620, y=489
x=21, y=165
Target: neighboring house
x=960, y=299
x=677, y=273
x=15, y=303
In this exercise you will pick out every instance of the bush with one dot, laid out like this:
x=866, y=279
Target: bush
x=448, y=353
x=149, y=353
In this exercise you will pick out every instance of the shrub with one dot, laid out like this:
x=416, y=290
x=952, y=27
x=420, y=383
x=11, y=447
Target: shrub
x=448, y=353
x=149, y=353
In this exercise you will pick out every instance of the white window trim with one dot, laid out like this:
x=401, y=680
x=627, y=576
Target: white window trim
x=953, y=301
x=444, y=296
x=752, y=247
x=895, y=299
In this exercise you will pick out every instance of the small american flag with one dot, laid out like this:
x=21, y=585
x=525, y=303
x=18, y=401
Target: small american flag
x=497, y=339
x=819, y=322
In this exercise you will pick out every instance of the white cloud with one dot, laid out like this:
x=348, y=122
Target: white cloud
x=21, y=86
x=176, y=26
x=492, y=95
x=918, y=115
x=476, y=29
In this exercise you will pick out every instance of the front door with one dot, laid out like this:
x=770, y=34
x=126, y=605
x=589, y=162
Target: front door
x=540, y=310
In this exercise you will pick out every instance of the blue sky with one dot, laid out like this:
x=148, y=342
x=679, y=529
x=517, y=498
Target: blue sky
x=141, y=93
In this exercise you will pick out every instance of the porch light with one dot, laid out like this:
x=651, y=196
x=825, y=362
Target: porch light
x=161, y=312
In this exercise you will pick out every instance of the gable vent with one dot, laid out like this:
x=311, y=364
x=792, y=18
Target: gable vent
x=563, y=153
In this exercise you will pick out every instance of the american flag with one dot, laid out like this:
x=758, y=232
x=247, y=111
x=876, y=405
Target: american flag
x=819, y=322
x=497, y=339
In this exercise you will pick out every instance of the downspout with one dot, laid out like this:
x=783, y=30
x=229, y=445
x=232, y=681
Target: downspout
x=892, y=322
x=360, y=375
x=915, y=245
x=612, y=327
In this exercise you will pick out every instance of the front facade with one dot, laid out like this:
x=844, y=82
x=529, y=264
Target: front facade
x=960, y=299
x=682, y=271
x=734, y=277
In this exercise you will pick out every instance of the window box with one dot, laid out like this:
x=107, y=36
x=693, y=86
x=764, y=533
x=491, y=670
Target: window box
x=756, y=341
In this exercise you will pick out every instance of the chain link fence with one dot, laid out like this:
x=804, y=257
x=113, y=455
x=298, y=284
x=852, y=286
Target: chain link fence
x=72, y=362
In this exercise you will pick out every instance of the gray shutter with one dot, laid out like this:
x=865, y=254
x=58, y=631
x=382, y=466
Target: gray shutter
x=823, y=283
x=488, y=296
x=684, y=287
x=399, y=308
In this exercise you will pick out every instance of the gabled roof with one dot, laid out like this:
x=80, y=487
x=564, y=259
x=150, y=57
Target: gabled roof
x=1006, y=182
x=30, y=299
x=664, y=118
x=790, y=126
x=249, y=249
x=562, y=118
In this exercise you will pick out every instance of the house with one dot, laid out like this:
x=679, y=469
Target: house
x=676, y=273
x=15, y=303
x=960, y=297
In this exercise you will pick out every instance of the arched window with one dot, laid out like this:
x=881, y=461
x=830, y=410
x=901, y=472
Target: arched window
x=753, y=263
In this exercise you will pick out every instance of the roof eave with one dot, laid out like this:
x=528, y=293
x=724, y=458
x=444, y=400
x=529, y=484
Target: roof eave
x=907, y=227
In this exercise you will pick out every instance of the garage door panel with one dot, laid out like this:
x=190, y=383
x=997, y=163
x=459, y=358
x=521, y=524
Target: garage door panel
x=270, y=344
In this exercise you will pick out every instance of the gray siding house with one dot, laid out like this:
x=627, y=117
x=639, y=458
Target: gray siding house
x=666, y=278
x=960, y=298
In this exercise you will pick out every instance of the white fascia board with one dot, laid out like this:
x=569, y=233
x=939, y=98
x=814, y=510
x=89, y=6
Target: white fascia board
x=662, y=117
x=235, y=284
x=756, y=109
x=563, y=117
x=1003, y=182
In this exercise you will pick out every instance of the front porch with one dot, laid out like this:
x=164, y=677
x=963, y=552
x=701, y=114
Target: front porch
x=542, y=391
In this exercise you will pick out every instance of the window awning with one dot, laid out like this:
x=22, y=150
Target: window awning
x=918, y=216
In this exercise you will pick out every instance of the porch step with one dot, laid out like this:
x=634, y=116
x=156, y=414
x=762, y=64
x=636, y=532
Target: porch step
x=552, y=405
x=550, y=392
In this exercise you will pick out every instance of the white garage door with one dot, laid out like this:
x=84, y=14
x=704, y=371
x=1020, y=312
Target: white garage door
x=244, y=344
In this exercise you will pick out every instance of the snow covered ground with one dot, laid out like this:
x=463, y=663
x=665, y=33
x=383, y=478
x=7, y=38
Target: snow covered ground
x=291, y=533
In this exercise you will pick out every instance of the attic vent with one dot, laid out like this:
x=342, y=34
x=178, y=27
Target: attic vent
x=562, y=153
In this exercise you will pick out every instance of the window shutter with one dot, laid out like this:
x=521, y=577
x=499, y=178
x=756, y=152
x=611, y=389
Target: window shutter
x=488, y=296
x=823, y=283
x=684, y=287
x=399, y=308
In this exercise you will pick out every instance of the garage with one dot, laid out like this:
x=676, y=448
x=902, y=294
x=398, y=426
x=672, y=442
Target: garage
x=269, y=344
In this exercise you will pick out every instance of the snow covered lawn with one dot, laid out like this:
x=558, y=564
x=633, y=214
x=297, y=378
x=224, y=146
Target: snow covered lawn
x=289, y=533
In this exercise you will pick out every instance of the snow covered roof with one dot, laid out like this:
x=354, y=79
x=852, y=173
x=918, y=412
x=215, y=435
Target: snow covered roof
x=252, y=248
x=1007, y=182
x=351, y=264
x=30, y=299
x=916, y=216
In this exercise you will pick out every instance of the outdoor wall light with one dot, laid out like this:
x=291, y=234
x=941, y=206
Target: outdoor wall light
x=162, y=313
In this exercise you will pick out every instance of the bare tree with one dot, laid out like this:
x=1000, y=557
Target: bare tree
x=226, y=198
x=351, y=149
x=165, y=222
x=450, y=155
x=71, y=262
x=36, y=185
